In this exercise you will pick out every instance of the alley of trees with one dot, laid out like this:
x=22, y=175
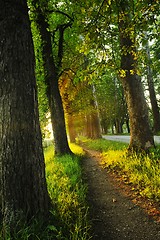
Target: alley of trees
x=92, y=66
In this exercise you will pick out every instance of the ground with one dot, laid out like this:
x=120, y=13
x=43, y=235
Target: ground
x=116, y=212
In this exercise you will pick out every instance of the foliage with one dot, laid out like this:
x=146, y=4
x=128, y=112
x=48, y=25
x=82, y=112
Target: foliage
x=34, y=230
x=40, y=77
x=101, y=47
x=91, y=53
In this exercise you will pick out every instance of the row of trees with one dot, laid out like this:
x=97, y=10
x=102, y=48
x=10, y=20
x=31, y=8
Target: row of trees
x=91, y=59
x=114, y=56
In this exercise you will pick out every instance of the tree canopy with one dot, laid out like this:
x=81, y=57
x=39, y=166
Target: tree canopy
x=88, y=51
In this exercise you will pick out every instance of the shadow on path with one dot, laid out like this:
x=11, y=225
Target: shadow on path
x=114, y=216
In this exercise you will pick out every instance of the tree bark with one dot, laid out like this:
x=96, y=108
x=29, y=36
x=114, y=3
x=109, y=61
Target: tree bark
x=53, y=93
x=141, y=135
x=23, y=184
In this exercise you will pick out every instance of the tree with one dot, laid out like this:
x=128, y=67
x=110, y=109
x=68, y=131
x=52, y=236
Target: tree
x=68, y=92
x=23, y=184
x=101, y=33
x=152, y=93
x=93, y=128
x=111, y=101
x=52, y=76
x=141, y=135
x=147, y=35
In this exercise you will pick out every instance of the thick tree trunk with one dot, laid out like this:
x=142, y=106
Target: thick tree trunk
x=23, y=185
x=141, y=135
x=53, y=93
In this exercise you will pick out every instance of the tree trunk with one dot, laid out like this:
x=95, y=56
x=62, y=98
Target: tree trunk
x=93, y=130
x=127, y=125
x=53, y=93
x=118, y=126
x=141, y=135
x=23, y=184
x=88, y=126
x=95, y=119
x=71, y=128
x=113, y=129
x=155, y=108
x=104, y=125
x=96, y=132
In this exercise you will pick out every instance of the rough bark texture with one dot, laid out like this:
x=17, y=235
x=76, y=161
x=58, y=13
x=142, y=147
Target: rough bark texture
x=141, y=135
x=53, y=93
x=22, y=169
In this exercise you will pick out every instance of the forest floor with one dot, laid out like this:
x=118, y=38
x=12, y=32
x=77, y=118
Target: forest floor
x=116, y=211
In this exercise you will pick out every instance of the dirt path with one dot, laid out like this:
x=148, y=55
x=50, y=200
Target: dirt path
x=114, y=215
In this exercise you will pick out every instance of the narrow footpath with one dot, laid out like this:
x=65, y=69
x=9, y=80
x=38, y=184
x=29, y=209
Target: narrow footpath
x=113, y=214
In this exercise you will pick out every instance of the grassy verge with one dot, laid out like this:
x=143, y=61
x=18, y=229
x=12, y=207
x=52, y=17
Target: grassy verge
x=69, y=214
x=68, y=195
x=102, y=145
x=143, y=171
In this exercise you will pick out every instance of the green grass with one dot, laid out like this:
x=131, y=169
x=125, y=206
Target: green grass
x=69, y=213
x=68, y=194
x=103, y=145
x=143, y=171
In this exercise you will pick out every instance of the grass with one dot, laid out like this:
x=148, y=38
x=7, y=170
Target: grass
x=143, y=171
x=68, y=194
x=69, y=214
x=102, y=144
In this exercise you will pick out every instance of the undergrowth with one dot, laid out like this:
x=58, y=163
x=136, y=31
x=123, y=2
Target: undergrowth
x=141, y=170
x=69, y=213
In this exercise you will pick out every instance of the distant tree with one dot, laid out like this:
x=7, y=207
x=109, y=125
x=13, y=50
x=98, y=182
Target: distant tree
x=22, y=171
x=92, y=115
x=111, y=101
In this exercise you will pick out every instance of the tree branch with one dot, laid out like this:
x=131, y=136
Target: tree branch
x=62, y=28
x=60, y=12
